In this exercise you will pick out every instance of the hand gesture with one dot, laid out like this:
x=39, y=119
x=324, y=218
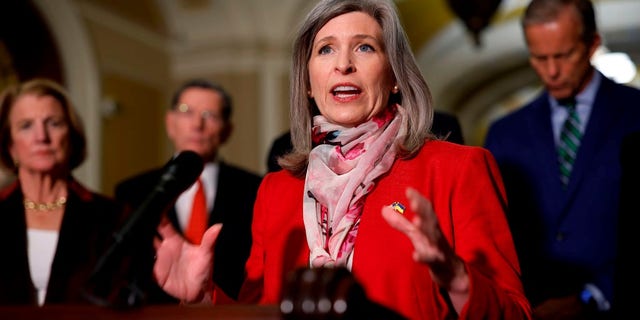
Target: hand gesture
x=431, y=247
x=182, y=269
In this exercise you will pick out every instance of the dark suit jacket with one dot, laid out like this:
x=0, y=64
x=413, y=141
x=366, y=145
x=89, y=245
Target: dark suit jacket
x=233, y=207
x=87, y=227
x=565, y=238
x=445, y=125
x=627, y=278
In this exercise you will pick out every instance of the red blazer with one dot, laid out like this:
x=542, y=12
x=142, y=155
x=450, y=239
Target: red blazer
x=465, y=188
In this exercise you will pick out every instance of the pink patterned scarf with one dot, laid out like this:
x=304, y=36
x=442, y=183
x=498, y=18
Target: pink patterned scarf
x=343, y=167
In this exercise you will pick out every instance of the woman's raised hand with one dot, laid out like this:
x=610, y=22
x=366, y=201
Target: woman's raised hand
x=182, y=269
x=431, y=247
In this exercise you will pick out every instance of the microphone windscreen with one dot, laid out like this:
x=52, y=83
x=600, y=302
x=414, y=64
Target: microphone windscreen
x=181, y=172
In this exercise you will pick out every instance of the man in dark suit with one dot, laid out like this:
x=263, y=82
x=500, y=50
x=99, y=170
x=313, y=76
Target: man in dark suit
x=445, y=125
x=200, y=120
x=564, y=227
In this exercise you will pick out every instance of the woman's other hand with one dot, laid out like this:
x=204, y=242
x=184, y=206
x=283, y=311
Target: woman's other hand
x=431, y=247
x=182, y=269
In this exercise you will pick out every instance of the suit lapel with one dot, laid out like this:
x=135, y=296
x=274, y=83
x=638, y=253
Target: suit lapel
x=219, y=204
x=544, y=146
x=69, y=237
x=597, y=131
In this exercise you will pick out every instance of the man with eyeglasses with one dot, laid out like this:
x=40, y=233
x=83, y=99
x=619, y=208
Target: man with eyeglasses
x=199, y=120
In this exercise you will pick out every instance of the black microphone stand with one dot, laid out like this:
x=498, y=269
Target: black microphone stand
x=116, y=280
x=123, y=274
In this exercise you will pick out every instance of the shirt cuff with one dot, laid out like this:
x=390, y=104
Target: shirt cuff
x=590, y=292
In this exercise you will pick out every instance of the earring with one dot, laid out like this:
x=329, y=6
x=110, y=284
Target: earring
x=309, y=94
x=16, y=163
x=395, y=89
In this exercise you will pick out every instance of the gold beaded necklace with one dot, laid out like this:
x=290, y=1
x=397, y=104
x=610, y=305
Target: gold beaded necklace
x=46, y=206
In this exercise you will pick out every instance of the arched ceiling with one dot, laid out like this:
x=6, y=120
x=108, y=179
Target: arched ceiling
x=424, y=19
x=145, y=13
x=223, y=32
x=269, y=24
x=239, y=23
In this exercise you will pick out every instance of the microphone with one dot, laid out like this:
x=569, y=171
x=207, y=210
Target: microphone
x=329, y=294
x=178, y=175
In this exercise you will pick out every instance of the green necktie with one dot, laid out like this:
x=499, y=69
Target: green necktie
x=569, y=142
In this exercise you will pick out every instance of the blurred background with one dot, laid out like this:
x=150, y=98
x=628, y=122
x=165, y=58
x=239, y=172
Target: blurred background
x=122, y=59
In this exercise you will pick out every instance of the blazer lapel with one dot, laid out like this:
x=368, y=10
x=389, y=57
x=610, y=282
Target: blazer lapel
x=15, y=278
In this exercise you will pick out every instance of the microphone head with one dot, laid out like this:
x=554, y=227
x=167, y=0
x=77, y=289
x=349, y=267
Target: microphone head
x=181, y=172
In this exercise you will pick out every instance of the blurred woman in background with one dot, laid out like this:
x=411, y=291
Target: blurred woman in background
x=54, y=227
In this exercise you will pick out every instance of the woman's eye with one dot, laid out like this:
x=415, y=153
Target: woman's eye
x=57, y=123
x=365, y=48
x=24, y=125
x=325, y=50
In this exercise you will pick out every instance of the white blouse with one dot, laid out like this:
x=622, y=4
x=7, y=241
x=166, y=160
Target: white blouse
x=42, y=248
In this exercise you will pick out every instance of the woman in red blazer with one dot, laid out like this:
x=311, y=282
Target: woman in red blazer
x=419, y=222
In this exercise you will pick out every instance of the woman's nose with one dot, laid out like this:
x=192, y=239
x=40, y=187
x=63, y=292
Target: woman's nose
x=41, y=132
x=345, y=63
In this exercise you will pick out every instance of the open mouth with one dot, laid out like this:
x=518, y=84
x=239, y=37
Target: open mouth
x=345, y=92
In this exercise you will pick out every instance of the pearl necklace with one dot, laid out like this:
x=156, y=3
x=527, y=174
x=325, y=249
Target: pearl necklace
x=47, y=206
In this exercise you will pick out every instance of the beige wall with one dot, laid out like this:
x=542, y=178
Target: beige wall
x=134, y=73
x=133, y=138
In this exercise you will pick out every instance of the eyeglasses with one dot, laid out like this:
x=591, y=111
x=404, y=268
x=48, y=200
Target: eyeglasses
x=206, y=115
